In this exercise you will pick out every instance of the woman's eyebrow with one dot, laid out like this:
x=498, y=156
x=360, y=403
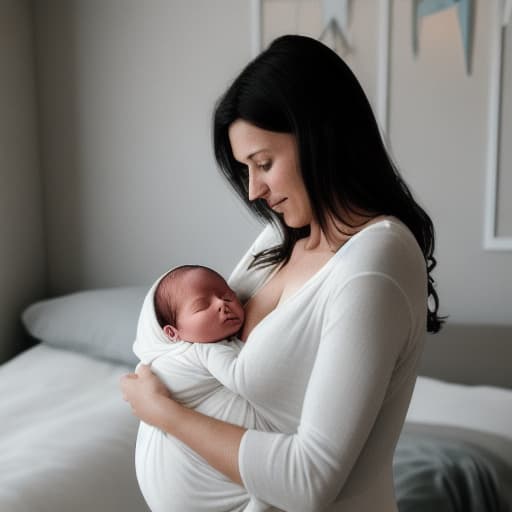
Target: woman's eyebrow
x=254, y=153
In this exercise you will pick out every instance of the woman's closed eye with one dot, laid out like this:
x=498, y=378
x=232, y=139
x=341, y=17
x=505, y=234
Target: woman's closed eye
x=265, y=166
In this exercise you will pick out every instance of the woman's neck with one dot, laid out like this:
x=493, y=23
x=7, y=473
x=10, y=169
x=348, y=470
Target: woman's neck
x=336, y=232
x=318, y=241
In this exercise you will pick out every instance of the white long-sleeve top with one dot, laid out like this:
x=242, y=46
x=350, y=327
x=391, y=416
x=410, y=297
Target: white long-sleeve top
x=332, y=368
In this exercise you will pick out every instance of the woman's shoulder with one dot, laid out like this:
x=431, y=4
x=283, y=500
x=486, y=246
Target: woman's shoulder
x=387, y=238
x=386, y=247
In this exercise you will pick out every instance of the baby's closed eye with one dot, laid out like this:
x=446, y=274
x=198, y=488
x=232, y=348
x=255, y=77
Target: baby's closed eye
x=200, y=305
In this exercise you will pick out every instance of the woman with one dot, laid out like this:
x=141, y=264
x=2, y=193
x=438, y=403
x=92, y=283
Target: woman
x=338, y=290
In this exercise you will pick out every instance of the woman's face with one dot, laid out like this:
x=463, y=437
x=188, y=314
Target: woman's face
x=272, y=163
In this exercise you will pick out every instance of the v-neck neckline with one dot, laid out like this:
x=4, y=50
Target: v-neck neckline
x=338, y=254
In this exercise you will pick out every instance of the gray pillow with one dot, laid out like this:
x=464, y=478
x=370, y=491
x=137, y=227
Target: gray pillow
x=99, y=323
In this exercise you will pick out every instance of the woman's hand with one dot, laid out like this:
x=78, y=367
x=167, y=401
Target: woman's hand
x=145, y=392
x=218, y=442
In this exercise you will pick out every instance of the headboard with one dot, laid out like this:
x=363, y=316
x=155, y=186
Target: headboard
x=470, y=354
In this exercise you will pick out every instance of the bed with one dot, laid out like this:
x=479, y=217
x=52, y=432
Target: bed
x=455, y=451
x=67, y=438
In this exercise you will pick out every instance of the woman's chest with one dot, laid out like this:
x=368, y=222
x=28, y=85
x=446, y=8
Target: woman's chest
x=282, y=285
x=279, y=355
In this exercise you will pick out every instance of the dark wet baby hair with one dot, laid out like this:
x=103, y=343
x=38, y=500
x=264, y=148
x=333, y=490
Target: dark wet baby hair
x=166, y=297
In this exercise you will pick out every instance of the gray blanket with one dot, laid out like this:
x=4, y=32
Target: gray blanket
x=438, y=474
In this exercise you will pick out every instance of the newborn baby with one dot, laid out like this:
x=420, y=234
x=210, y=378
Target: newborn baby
x=195, y=304
x=185, y=332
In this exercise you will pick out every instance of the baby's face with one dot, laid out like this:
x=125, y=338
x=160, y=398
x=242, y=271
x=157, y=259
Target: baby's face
x=208, y=309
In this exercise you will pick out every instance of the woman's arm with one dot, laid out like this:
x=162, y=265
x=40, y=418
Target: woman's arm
x=216, y=441
x=359, y=349
x=362, y=339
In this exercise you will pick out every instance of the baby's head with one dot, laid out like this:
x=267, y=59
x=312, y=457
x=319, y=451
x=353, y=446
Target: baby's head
x=194, y=303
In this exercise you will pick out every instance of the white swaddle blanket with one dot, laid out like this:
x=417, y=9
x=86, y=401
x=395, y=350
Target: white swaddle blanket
x=171, y=476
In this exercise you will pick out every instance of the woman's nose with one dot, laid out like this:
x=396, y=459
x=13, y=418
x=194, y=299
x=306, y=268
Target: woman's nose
x=257, y=187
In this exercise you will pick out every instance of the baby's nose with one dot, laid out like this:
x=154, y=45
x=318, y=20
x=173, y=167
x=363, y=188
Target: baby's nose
x=224, y=306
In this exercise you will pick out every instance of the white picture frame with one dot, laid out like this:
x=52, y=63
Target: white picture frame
x=383, y=62
x=493, y=242
x=256, y=27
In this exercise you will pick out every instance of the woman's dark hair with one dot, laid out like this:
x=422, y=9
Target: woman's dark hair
x=300, y=86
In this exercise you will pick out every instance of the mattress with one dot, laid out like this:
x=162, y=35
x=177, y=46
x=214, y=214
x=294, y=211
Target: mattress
x=483, y=408
x=66, y=436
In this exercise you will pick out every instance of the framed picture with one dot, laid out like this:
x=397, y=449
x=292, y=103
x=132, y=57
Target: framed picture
x=498, y=204
x=314, y=18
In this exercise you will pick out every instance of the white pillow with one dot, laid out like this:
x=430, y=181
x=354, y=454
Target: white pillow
x=483, y=408
x=99, y=323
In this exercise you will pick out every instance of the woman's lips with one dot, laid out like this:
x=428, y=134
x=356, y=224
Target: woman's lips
x=277, y=203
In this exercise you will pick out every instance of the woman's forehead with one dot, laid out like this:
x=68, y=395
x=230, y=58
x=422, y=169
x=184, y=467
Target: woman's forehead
x=248, y=140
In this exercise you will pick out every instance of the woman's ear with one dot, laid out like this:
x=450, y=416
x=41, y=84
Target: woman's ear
x=171, y=332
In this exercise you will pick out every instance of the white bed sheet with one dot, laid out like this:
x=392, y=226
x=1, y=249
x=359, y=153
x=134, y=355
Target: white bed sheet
x=66, y=436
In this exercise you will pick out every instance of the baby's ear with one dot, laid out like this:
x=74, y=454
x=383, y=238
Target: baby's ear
x=171, y=332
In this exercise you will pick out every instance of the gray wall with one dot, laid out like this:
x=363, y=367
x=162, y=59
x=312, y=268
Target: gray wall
x=438, y=129
x=22, y=255
x=438, y=122
x=126, y=90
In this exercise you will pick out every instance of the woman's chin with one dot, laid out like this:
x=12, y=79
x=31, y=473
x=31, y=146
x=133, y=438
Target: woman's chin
x=294, y=223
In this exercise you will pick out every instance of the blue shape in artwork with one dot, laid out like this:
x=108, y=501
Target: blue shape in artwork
x=335, y=13
x=465, y=12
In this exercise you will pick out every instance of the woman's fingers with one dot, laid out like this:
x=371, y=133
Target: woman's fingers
x=124, y=382
x=143, y=369
x=141, y=390
x=127, y=377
